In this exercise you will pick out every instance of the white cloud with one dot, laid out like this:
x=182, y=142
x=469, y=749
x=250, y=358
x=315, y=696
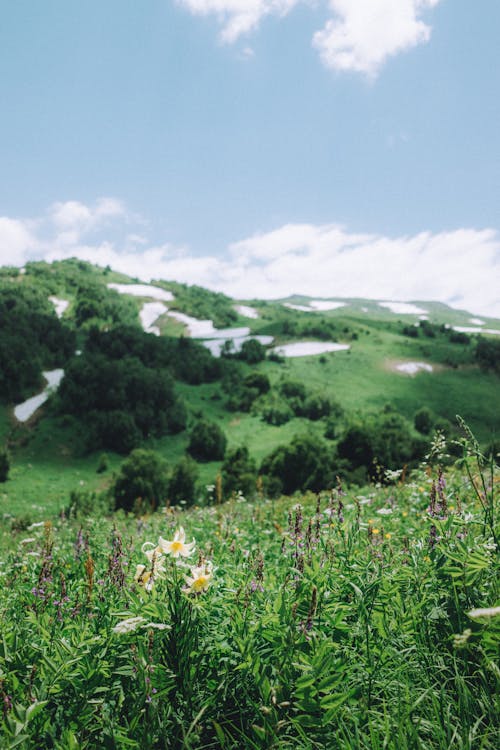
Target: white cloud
x=364, y=33
x=238, y=17
x=360, y=36
x=15, y=241
x=459, y=267
x=72, y=219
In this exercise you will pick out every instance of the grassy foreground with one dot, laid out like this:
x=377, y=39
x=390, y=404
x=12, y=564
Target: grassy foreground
x=333, y=621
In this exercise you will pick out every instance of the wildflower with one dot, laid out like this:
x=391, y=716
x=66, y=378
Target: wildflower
x=460, y=639
x=177, y=547
x=129, y=625
x=200, y=578
x=146, y=575
x=485, y=612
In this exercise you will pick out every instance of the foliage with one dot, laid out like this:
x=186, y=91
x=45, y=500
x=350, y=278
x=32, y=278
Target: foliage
x=202, y=303
x=31, y=338
x=207, y=442
x=424, y=420
x=487, y=354
x=142, y=483
x=4, y=464
x=182, y=483
x=120, y=401
x=239, y=472
x=340, y=621
x=252, y=351
x=306, y=463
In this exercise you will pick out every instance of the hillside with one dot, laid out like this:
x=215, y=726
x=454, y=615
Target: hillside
x=145, y=365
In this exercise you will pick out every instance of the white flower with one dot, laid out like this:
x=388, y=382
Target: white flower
x=486, y=612
x=200, y=578
x=177, y=547
x=129, y=625
x=384, y=511
x=157, y=625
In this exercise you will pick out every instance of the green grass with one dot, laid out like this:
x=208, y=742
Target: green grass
x=325, y=624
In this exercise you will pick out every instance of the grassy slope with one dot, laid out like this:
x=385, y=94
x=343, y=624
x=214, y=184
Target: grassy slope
x=360, y=380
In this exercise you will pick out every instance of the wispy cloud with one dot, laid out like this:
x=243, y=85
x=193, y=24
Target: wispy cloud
x=360, y=35
x=458, y=267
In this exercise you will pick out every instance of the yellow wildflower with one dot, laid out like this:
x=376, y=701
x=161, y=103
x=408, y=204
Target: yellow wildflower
x=177, y=547
x=200, y=578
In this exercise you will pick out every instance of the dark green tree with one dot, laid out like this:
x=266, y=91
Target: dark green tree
x=142, y=483
x=4, y=464
x=207, y=441
x=182, y=485
x=239, y=472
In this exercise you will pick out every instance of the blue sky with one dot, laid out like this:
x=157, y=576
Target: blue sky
x=260, y=147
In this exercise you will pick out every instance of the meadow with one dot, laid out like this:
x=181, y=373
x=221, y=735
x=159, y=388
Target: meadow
x=354, y=618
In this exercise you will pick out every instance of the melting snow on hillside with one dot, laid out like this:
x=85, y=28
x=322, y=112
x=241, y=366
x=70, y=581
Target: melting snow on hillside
x=315, y=305
x=61, y=305
x=143, y=290
x=307, y=348
x=403, y=308
x=149, y=313
x=24, y=411
x=246, y=312
x=468, y=329
x=411, y=368
x=204, y=329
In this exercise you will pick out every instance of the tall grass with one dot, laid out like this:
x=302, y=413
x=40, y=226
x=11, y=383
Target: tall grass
x=331, y=621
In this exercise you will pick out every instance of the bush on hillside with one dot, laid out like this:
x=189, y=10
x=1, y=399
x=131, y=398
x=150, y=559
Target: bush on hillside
x=4, y=464
x=142, y=483
x=306, y=463
x=239, y=473
x=120, y=402
x=207, y=441
x=182, y=484
x=424, y=420
x=252, y=351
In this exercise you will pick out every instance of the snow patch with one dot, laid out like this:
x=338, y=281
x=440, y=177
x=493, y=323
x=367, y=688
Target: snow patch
x=24, y=411
x=204, y=329
x=246, y=312
x=316, y=305
x=307, y=348
x=411, y=368
x=150, y=312
x=61, y=305
x=143, y=290
x=477, y=321
x=403, y=308
x=468, y=329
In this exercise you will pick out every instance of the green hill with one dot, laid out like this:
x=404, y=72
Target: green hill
x=349, y=412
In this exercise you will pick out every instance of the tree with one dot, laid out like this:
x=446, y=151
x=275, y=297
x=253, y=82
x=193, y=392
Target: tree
x=143, y=481
x=207, y=442
x=252, y=351
x=424, y=420
x=4, y=464
x=238, y=472
x=182, y=485
x=306, y=463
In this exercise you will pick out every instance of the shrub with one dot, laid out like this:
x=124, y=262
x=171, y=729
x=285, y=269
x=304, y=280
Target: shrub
x=207, y=442
x=252, y=351
x=182, y=485
x=424, y=420
x=143, y=481
x=238, y=472
x=306, y=463
x=4, y=464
